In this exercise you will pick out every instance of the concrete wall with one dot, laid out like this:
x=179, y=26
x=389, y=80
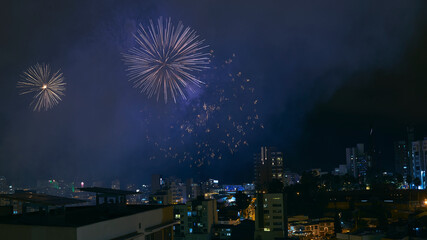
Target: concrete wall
x=102, y=230
x=13, y=232
x=121, y=226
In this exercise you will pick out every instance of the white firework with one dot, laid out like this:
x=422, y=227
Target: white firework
x=166, y=60
x=46, y=87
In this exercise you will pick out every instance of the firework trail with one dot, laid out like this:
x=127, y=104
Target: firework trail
x=166, y=60
x=46, y=87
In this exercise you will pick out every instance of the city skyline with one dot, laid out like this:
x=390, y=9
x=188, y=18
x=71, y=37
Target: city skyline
x=324, y=75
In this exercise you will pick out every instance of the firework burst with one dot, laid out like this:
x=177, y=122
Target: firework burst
x=46, y=87
x=166, y=60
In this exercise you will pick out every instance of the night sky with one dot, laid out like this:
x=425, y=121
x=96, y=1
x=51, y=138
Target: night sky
x=322, y=73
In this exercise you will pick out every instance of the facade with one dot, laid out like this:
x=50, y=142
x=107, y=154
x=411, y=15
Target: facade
x=403, y=155
x=340, y=170
x=223, y=231
x=197, y=218
x=177, y=191
x=270, y=219
x=79, y=223
x=268, y=165
x=162, y=197
x=358, y=162
x=402, y=159
x=419, y=158
x=192, y=190
x=156, y=182
x=303, y=227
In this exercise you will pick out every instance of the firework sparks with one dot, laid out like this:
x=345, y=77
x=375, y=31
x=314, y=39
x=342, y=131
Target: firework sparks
x=47, y=87
x=166, y=60
x=219, y=123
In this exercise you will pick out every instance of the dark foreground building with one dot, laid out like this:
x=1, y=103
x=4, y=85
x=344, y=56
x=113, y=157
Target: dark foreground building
x=110, y=220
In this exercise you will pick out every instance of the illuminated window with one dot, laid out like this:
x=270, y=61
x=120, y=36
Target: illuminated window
x=266, y=229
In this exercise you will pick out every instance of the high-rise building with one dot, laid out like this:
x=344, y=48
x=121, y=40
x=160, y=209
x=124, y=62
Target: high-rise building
x=270, y=216
x=357, y=162
x=402, y=159
x=419, y=158
x=193, y=190
x=156, y=183
x=178, y=192
x=177, y=188
x=403, y=154
x=268, y=165
x=197, y=218
x=410, y=137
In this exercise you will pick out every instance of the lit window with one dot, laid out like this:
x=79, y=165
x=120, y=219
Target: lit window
x=266, y=229
x=189, y=214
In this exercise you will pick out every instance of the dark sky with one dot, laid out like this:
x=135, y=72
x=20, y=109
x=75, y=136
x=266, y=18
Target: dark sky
x=323, y=73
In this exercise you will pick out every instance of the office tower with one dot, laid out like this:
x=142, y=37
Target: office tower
x=371, y=154
x=410, y=137
x=197, y=218
x=156, y=183
x=402, y=159
x=188, y=188
x=270, y=216
x=268, y=165
x=357, y=162
x=419, y=158
x=403, y=155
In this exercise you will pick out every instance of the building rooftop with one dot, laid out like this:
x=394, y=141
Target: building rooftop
x=41, y=199
x=76, y=216
x=109, y=191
